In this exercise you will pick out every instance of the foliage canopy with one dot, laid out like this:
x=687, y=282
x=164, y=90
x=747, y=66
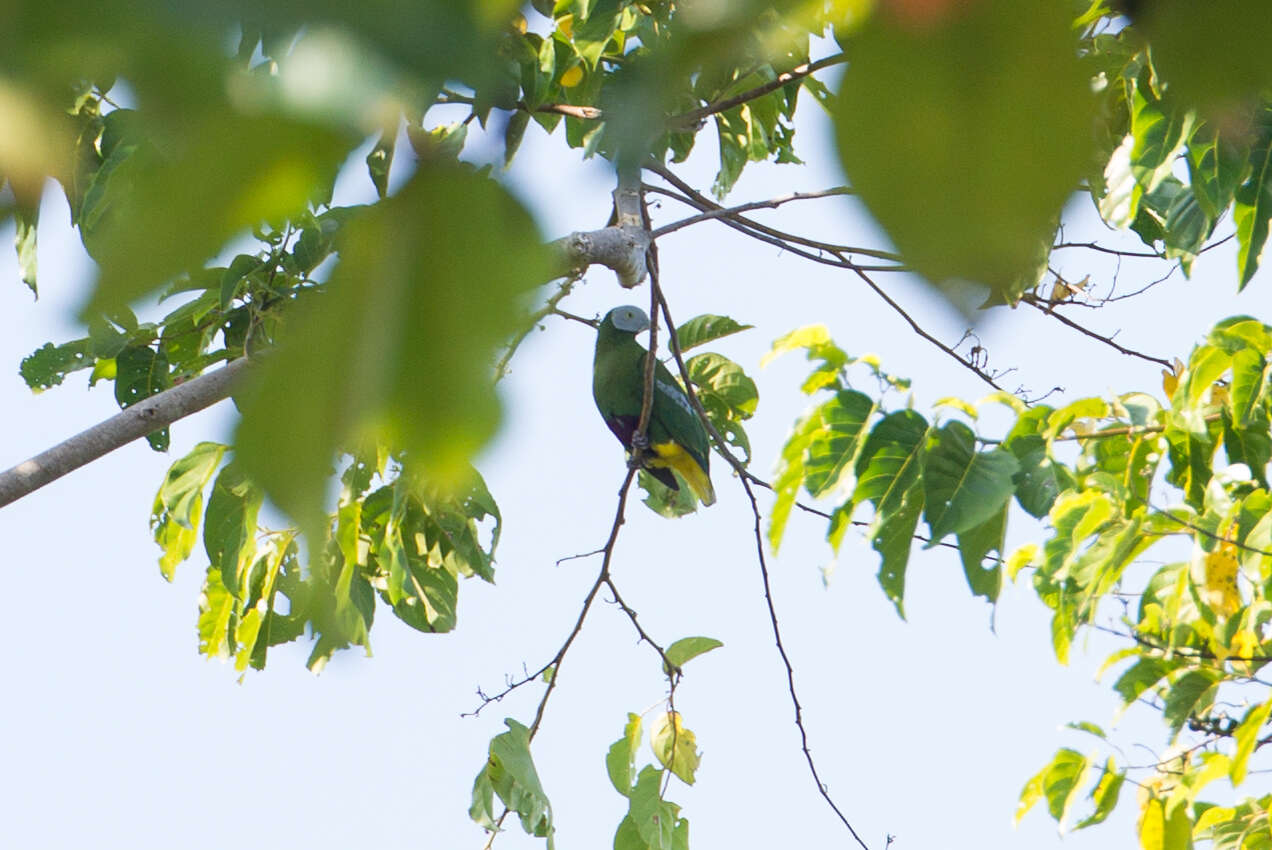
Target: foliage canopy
x=175, y=151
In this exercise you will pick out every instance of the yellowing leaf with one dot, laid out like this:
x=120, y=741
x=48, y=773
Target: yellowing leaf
x=1024, y=556
x=1220, y=589
x=675, y=747
x=565, y=25
x=808, y=336
x=572, y=77
x=1170, y=378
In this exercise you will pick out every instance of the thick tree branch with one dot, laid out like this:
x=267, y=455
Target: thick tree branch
x=621, y=246
x=137, y=421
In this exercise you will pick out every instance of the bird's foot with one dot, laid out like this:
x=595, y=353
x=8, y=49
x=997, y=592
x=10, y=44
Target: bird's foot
x=640, y=442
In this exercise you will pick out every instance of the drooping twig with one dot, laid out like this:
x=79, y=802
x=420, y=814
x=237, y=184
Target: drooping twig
x=1048, y=308
x=965, y=363
x=790, y=671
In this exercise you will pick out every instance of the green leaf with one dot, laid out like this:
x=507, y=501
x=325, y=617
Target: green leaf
x=665, y=501
x=399, y=344
x=216, y=610
x=143, y=231
x=688, y=648
x=620, y=761
x=1249, y=384
x=1139, y=677
x=1216, y=165
x=380, y=160
x=510, y=773
x=1188, y=696
x=1161, y=131
x=964, y=488
x=1104, y=794
x=1062, y=780
x=49, y=364
x=514, y=132
x=25, y=241
x=1252, y=207
x=942, y=113
x=888, y=474
x=974, y=544
x=655, y=819
x=592, y=33
x=706, y=328
x=140, y=372
x=1247, y=737
x=725, y=379
x=790, y=475
x=837, y=442
x=675, y=747
x=1036, y=480
x=229, y=526
x=174, y=519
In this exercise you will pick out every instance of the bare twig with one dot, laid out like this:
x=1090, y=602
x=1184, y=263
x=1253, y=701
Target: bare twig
x=965, y=363
x=790, y=672
x=696, y=199
x=549, y=308
x=727, y=212
x=1048, y=308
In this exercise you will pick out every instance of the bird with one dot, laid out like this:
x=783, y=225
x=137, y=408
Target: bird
x=676, y=437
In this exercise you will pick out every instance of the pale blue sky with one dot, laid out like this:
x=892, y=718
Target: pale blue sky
x=115, y=733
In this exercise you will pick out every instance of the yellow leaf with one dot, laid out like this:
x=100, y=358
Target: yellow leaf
x=1220, y=590
x=957, y=404
x=1023, y=557
x=675, y=746
x=572, y=77
x=565, y=24
x=1170, y=378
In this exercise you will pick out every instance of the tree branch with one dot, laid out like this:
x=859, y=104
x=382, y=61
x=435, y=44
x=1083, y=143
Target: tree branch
x=786, y=661
x=142, y=418
x=726, y=212
x=1048, y=308
x=693, y=117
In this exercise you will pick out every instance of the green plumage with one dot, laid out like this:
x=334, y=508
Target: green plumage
x=618, y=386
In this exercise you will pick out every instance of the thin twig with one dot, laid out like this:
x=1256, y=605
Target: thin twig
x=696, y=199
x=790, y=672
x=966, y=364
x=1048, y=308
x=694, y=116
x=549, y=308
x=726, y=212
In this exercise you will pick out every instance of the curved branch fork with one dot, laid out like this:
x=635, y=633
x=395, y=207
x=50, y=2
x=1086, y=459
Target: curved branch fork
x=621, y=246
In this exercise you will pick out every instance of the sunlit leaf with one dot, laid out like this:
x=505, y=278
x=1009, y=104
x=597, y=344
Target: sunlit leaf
x=620, y=761
x=686, y=649
x=707, y=328
x=675, y=747
x=174, y=519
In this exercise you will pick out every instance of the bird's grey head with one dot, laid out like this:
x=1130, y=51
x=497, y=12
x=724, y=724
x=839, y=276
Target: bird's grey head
x=629, y=318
